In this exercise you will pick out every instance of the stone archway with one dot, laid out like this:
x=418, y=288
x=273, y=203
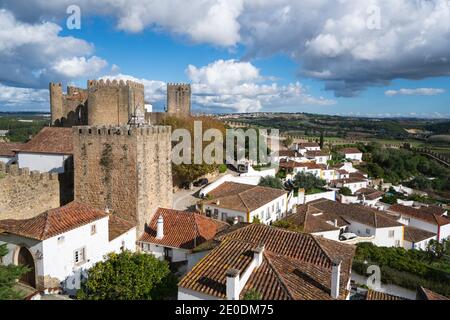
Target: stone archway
x=25, y=258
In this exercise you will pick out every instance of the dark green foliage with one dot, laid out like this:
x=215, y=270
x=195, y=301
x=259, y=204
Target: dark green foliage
x=272, y=182
x=407, y=268
x=308, y=181
x=129, y=276
x=321, y=141
x=345, y=191
x=404, y=166
x=21, y=131
x=288, y=225
x=8, y=276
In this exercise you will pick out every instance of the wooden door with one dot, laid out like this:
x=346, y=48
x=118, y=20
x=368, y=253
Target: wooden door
x=26, y=259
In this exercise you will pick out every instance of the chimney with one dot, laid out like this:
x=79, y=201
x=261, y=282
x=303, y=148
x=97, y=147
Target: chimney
x=236, y=220
x=335, y=222
x=335, y=279
x=233, y=289
x=258, y=255
x=160, y=228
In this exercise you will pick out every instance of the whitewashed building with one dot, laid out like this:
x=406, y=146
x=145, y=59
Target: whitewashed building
x=60, y=244
x=417, y=239
x=353, y=154
x=354, y=184
x=318, y=157
x=368, y=224
x=432, y=219
x=50, y=150
x=245, y=202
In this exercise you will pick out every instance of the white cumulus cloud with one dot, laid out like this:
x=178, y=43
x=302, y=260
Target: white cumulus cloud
x=32, y=55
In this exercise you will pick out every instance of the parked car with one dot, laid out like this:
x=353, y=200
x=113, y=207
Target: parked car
x=201, y=182
x=347, y=236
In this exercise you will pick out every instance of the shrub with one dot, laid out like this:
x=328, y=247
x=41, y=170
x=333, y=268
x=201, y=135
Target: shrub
x=223, y=168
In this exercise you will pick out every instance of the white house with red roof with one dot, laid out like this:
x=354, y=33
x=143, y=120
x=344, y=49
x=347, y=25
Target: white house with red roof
x=353, y=154
x=246, y=203
x=50, y=150
x=60, y=244
x=432, y=219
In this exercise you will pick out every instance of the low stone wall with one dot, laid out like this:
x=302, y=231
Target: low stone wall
x=25, y=194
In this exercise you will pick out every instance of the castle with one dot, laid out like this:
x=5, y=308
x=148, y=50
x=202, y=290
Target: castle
x=122, y=158
x=115, y=103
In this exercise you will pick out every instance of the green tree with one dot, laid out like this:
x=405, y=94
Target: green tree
x=190, y=172
x=8, y=277
x=271, y=182
x=321, y=141
x=129, y=276
x=307, y=181
x=288, y=141
x=345, y=191
x=436, y=249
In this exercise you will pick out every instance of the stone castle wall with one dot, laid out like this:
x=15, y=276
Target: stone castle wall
x=124, y=169
x=68, y=109
x=102, y=103
x=25, y=194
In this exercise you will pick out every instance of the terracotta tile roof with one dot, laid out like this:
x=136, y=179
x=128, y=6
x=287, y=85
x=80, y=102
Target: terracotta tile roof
x=242, y=197
x=53, y=140
x=295, y=265
x=415, y=235
x=295, y=164
x=182, y=229
x=8, y=149
x=313, y=220
x=288, y=153
x=377, y=295
x=355, y=212
x=308, y=145
x=369, y=193
x=118, y=226
x=424, y=213
x=53, y=222
x=357, y=175
x=350, y=151
x=316, y=153
x=426, y=294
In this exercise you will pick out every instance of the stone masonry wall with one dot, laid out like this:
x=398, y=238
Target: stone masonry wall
x=25, y=194
x=113, y=102
x=127, y=170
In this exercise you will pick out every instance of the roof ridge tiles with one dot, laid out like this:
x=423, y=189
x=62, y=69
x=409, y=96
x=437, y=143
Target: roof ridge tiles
x=277, y=274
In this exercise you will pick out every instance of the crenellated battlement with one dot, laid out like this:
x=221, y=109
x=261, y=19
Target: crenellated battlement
x=121, y=130
x=179, y=85
x=14, y=171
x=114, y=83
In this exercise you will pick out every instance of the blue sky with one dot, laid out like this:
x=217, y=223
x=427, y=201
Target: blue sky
x=294, y=64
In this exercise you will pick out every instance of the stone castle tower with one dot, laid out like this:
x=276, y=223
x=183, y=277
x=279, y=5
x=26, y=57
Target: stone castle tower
x=126, y=169
x=102, y=103
x=179, y=99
